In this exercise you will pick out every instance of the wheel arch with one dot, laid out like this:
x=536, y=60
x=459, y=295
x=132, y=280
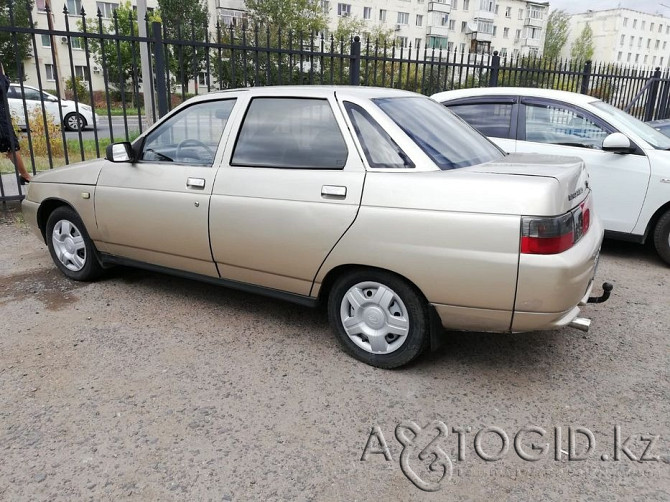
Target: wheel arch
x=47, y=207
x=651, y=226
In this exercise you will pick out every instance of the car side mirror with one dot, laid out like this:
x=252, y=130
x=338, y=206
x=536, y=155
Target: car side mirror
x=617, y=143
x=120, y=152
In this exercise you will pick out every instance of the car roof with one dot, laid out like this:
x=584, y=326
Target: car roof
x=569, y=97
x=308, y=90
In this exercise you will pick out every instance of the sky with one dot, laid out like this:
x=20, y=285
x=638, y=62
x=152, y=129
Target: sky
x=651, y=6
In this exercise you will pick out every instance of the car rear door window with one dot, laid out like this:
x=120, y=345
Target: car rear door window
x=298, y=133
x=191, y=136
x=380, y=150
x=553, y=124
x=490, y=119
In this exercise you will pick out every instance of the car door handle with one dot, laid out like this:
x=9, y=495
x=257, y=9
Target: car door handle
x=333, y=191
x=195, y=183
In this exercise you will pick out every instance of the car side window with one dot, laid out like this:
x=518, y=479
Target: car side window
x=299, y=133
x=30, y=94
x=191, y=136
x=380, y=150
x=490, y=119
x=562, y=126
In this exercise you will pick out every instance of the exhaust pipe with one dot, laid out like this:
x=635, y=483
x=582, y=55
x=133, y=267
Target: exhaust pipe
x=581, y=323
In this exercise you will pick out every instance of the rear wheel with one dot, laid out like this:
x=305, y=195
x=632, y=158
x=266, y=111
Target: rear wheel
x=379, y=318
x=74, y=122
x=70, y=246
x=662, y=237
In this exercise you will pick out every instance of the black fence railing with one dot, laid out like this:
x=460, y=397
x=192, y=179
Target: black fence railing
x=69, y=106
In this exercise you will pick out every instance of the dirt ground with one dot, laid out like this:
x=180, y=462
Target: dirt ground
x=147, y=387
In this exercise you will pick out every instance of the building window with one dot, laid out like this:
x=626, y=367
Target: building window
x=403, y=17
x=41, y=5
x=505, y=32
x=495, y=30
x=382, y=15
x=653, y=61
x=618, y=58
x=417, y=43
x=503, y=52
x=82, y=73
x=628, y=58
x=660, y=28
x=464, y=26
x=625, y=22
x=637, y=58
x=325, y=6
x=466, y=4
x=508, y=11
x=661, y=62
x=106, y=9
x=518, y=35
x=231, y=17
x=623, y=39
x=403, y=42
x=46, y=41
x=76, y=43
x=452, y=23
x=639, y=43
x=73, y=7
x=632, y=40
x=642, y=25
x=454, y=5
x=651, y=27
x=487, y=5
x=665, y=44
x=419, y=20
x=667, y=30
x=520, y=14
x=51, y=74
x=648, y=43
x=485, y=27
x=462, y=47
x=535, y=12
x=367, y=12
x=202, y=78
x=645, y=59
x=343, y=9
x=634, y=23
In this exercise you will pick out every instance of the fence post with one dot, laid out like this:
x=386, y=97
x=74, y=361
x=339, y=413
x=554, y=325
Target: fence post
x=586, y=76
x=495, y=69
x=651, y=97
x=355, y=62
x=159, y=58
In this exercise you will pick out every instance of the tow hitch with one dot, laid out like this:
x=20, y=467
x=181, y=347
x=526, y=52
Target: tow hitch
x=607, y=289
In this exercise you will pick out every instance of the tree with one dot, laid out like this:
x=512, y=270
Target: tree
x=119, y=69
x=558, y=25
x=20, y=12
x=186, y=61
x=582, y=49
x=300, y=16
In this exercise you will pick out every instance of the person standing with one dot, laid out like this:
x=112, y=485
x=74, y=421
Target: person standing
x=9, y=143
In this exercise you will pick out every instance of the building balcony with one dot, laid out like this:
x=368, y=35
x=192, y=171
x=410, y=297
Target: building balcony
x=480, y=36
x=531, y=42
x=531, y=21
x=231, y=4
x=439, y=7
x=485, y=14
x=437, y=31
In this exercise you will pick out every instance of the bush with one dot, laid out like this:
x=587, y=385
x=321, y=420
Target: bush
x=38, y=135
x=82, y=91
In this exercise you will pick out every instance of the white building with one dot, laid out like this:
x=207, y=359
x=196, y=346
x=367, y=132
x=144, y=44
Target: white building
x=624, y=36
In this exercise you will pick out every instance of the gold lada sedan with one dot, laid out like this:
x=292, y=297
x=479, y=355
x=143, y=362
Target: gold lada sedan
x=380, y=203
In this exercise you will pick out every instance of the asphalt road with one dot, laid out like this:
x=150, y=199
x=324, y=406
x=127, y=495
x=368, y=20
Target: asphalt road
x=103, y=130
x=151, y=387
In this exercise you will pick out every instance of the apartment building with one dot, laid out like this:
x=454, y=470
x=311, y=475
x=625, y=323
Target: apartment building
x=511, y=27
x=624, y=36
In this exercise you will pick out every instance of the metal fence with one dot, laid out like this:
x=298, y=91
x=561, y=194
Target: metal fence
x=187, y=59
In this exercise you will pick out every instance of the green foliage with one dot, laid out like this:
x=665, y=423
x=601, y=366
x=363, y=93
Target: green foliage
x=300, y=16
x=558, y=25
x=82, y=90
x=118, y=65
x=582, y=49
x=185, y=20
x=8, y=52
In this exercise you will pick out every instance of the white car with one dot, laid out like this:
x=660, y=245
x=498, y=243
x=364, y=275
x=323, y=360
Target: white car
x=74, y=117
x=628, y=161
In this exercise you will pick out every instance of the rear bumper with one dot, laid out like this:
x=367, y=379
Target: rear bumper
x=552, y=287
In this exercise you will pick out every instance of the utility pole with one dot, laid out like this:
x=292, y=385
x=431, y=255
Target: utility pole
x=54, y=48
x=145, y=73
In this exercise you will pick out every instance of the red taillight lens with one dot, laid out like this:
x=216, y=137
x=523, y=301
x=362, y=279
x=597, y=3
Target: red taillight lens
x=541, y=235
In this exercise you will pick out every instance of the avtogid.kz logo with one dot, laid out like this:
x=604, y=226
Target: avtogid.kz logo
x=425, y=462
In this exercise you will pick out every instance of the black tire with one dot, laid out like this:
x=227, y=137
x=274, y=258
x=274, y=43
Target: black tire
x=74, y=122
x=411, y=309
x=662, y=237
x=79, y=261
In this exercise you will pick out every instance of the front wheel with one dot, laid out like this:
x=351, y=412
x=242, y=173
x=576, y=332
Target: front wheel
x=70, y=246
x=662, y=237
x=74, y=122
x=379, y=318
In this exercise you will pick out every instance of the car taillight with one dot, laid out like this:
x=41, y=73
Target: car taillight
x=553, y=235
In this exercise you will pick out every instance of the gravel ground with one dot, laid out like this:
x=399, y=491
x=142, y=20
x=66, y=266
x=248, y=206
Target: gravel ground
x=148, y=387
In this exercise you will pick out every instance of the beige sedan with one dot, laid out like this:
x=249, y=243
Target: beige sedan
x=379, y=202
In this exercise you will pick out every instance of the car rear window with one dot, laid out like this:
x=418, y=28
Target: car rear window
x=449, y=141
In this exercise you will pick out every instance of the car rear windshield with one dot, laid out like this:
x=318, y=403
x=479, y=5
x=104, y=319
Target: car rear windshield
x=445, y=138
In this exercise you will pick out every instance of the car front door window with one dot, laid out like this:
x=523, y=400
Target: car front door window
x=191, y=136
x=546, y=123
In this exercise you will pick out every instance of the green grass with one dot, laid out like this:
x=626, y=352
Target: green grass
x=118, y=112
x=74, y=154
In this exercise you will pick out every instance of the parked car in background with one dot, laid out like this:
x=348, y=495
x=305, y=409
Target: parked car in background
x=662, y=125
x=628, y=161
x=74, y=117
x=380, y=203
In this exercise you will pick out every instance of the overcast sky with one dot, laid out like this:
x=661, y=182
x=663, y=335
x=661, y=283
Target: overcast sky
x=651, y=6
